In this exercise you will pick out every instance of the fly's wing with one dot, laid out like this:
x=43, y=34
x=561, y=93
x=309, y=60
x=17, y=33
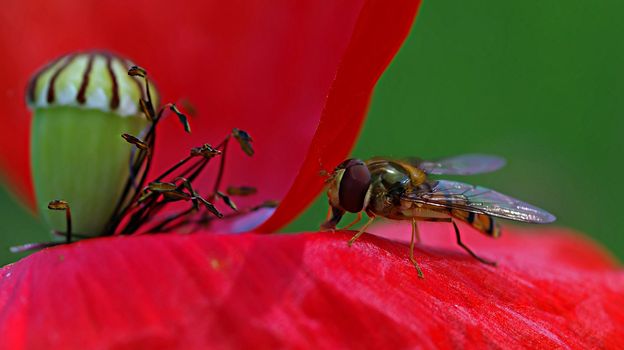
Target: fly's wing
x=466, y=164
x=479, y=200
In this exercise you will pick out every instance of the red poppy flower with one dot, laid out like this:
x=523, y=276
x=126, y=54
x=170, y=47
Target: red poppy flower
x=298, y=77
x=275, y=70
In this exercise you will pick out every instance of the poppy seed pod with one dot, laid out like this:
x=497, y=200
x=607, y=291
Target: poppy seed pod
x=82, y=103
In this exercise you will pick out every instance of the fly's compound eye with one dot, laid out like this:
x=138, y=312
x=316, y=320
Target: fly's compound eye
x=354, y=185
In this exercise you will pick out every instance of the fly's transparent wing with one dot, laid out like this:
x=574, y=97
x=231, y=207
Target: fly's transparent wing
x=466, y=164
x=480, y=200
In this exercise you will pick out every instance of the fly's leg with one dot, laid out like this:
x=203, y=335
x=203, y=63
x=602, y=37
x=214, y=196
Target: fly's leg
x=244, y=141
x=461, y=244
x=359, y=217
x=361, y=231
x=332, y=222
x=415, y=236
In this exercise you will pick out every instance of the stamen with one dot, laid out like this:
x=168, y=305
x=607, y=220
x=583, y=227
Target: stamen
x=221, y=166
x=176, y=196
x=227, y=201
x=241, y=191
x=135, y=141
x=205, y=150
x=162, y=186
x=210, y=207
x=244, y=140
x=140, y=204
x=63, y=205
x=146, y=110
x=142, y=161
x=193, y=172
x=183, y=119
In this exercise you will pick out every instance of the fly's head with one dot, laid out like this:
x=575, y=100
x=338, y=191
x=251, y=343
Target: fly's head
x=348, y=190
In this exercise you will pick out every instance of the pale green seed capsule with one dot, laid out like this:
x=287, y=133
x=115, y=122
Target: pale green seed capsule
x=82, y=104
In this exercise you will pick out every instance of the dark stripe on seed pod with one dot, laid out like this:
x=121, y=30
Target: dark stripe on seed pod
x=85, y=81
x=32, y=84
x=354, y=185
x=114, y=102
x=51, y=93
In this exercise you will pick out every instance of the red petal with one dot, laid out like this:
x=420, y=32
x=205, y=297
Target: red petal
x=199, y=291
x=268, y=67
x=367, y=56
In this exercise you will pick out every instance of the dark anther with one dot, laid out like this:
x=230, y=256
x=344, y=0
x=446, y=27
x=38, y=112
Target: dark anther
x=183, y=119
x=227, y=200
x=210, y=207
x=205, y=151
x=269, y=204
x=244, y=140
x=135, y=141
x=145, y=195
x=176, y=196
x=58, y=205
x=162, y=186
x=241, y=191
x=136, y=71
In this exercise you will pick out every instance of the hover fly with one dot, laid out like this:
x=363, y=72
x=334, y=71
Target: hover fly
x=402, y=190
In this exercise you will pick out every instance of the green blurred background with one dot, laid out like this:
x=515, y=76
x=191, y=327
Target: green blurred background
x=538, y=82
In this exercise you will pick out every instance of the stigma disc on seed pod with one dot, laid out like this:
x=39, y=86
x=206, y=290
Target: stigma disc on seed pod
x=82, y=103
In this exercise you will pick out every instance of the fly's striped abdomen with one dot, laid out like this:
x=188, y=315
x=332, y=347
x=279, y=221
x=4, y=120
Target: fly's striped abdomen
x=481, y=222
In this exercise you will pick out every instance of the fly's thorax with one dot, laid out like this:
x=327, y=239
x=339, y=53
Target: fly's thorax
x=416, y=175
x=396, y=174
x=390, y=179
x=385, y=202
x=391, y=205
x=380, y=203
x=349, y=186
